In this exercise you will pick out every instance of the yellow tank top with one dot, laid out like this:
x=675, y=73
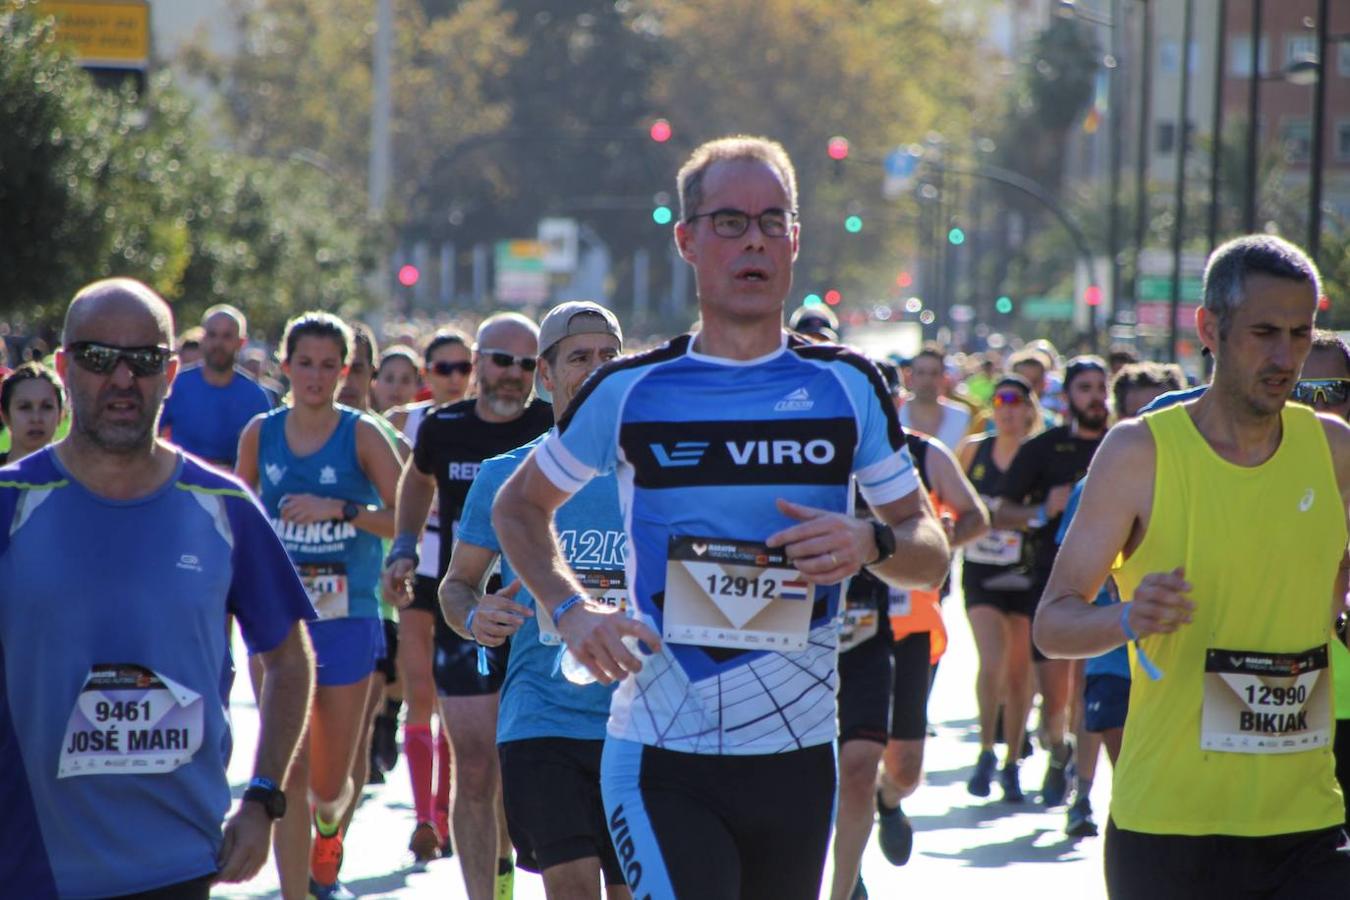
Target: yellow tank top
x=1260, y=546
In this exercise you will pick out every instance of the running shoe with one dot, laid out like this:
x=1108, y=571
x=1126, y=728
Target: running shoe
x=336, y=891
x=425, y=843
x=325, y=858
x=375, y=776
x=985, y=767
x=505, y=886
x=895, y=834
x=1009, y=778
x=1080, y=819
x=859, y=891
x=1056, y=784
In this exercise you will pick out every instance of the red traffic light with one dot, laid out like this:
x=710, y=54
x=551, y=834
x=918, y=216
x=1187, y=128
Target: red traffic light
x=832, y=297
x=1323, y=303
x=408, y=275
x=1092, y=296
x=837, y=148
x=904, y=280
x=660, y=131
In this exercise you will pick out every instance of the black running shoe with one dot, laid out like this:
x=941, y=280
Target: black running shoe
x=985, y=767
x=895, y=834
x=1055, y=787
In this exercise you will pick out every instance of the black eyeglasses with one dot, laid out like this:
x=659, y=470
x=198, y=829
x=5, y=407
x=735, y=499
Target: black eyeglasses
x=448, y=368
x=501, y=359
x=102, y=359
x=732, y=223
x=1323, y=391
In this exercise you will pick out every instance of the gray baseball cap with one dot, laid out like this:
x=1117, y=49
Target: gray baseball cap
x=576, y=317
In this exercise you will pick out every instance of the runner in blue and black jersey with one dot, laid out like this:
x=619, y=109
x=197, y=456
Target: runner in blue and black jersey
x=735, y=449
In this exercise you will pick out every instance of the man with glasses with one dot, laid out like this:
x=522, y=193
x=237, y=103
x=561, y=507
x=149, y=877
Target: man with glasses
x=121, y=563
x=451, y=444
x=1223, y=522
x=1034, y=494
x=736, y=449
x=212, y=402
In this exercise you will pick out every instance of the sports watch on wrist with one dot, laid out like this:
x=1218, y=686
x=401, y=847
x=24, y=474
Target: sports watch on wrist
x=885, y=540
x=264, y=791
x=350, y=511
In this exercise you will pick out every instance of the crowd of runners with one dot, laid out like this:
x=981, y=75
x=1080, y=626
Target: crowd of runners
x=663, y=621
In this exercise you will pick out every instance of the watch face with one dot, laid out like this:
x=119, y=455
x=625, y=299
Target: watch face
x=276, y=804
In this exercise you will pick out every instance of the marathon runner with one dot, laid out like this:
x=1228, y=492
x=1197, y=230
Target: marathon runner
x=549, y=731
x=1035, y=491
x=448, y=363
x=1230, y=512
x=919, y=638
x=997, y=588
x=451, y=444
x=121, y=563
x=32, y=403
x=927, y=410
x=1105, y=679
x=326, y=475
x=735, y=449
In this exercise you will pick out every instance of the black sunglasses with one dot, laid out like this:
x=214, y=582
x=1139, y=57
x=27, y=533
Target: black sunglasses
x=732, y=223
x=1327, y=391
x=501, y=359
x=102, y=359
x=450, y=368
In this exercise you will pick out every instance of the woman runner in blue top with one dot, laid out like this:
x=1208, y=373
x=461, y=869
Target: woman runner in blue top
x=327, y=476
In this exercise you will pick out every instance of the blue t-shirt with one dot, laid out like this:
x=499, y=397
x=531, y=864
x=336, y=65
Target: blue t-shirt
x=113, y=621
x=338, y=562
x=206, y=420
x=1113, y=662
x=703, y=447
x=536, y=700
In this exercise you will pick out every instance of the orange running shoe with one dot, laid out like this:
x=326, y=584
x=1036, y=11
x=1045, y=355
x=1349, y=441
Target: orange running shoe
x=425, y=843
x=325, y=857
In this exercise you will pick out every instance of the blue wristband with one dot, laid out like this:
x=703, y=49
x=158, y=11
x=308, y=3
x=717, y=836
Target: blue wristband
x=468, y=623
x=1125, y=623
x=266, y=784
x=404, y=546
x=1151, y=670
x=565, y=606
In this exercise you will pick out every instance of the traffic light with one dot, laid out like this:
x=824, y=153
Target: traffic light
x=662, y=214
x=408, y=275
x=1323, y=303
x=1004, y=304
x=904, y=279
x=832, y=297
x=956, y=237
x=1092, y=295
x=813, y=300
x=837, y=148
x=853, y=224
x=660, y=131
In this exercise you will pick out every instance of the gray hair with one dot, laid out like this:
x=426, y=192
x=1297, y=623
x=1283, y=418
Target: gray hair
x=1255, y=254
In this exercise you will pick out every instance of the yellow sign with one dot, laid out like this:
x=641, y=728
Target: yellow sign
x=114, y=34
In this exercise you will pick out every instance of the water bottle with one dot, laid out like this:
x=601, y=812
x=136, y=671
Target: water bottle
x=577, y=673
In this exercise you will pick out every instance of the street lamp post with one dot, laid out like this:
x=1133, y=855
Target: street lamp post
x=1216, y=125
x=1253, y=110
x=1318, y=137
x=1141, y=151
x=1179, y=216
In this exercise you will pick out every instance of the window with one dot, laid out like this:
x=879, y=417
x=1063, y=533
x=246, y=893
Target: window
x=1296, y=137
x=1169, y=57
x=1299, y=46
x=1240, y=55
x=1343, y=59
x=1167, y=137
x=1343, y=141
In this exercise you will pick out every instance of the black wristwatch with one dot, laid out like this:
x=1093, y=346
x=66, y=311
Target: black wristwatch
x=885, y=538
x=266, y=793
x=350, y=511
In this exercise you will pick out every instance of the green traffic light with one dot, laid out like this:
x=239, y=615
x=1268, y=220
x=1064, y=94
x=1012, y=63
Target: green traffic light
x=853, y=224
x=813, y=300
x=662, y=215
x=956, y=236
x=1004, y=304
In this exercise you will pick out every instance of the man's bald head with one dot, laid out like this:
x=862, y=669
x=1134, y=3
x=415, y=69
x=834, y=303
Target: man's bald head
x=117, y=297
x=503, y=325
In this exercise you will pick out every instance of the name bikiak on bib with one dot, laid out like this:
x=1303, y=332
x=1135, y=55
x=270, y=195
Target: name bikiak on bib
x=1266, y=703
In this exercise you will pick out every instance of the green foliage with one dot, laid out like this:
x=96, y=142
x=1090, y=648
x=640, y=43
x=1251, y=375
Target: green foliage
x=97, y=183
